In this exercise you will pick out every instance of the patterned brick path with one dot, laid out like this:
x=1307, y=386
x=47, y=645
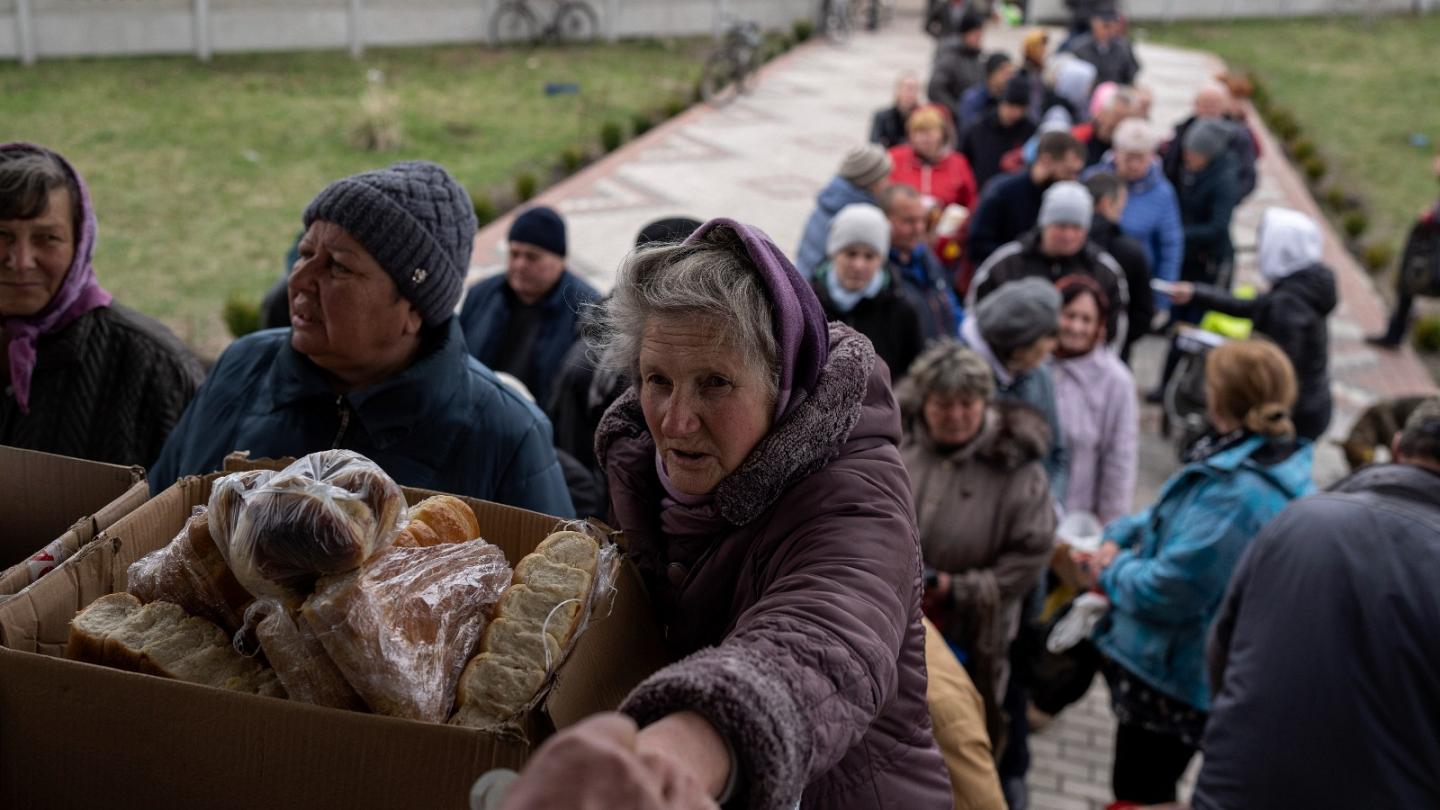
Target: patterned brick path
x=764, y=158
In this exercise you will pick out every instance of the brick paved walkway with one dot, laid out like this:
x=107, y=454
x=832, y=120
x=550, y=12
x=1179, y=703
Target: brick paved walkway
x=764, y=158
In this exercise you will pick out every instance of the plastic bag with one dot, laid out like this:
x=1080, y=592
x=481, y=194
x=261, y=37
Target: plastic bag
x=190, y=572
x=298, y=658
x=401, y=628
x=1076, y=625
x=324, y=514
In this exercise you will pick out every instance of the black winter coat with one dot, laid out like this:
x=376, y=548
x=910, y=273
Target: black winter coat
x=1293, y=315
x=108, y=387
x=1207, y=203
x=1325, y=654
x=1242, y=149
x=887, y=128
x=986, y=142
x=956, y=69
x=1131, y=257
x=888, y=320
x=1008, y=207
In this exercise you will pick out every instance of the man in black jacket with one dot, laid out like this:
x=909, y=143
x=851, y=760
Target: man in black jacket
x=1003, y=130
x=1009, y=206
x=887, y=127
x=1109, y=195
x=1419, y=272
x=1325, y=655
x=958, y=65
x=1212, y=103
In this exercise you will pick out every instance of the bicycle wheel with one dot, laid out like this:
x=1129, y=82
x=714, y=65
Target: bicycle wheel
x=513, y=24
x=719, y=81
x=576, y=22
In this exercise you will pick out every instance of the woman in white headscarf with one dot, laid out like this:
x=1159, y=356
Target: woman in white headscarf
x=1292, y=313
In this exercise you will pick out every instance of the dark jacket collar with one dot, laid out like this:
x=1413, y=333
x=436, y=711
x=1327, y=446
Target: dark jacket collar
x=1402, y=481
x=391, y=410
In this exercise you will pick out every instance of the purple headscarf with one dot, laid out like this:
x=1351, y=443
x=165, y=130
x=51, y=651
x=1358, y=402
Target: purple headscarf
x=800, y=331
x=79, y=293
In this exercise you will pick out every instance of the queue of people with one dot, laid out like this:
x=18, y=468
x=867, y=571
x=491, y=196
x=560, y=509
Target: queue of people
x=841, y=477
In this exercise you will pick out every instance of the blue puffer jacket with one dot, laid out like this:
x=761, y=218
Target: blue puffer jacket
x=1166, y=585
x=445, y=423
x=1152, y=218
x=836, y=195
x=486, y=314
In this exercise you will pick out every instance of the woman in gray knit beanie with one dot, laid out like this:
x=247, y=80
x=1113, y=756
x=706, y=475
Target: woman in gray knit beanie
x=374, y=360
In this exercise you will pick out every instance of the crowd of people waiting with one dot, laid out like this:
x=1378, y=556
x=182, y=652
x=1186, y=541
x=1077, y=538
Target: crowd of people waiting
x=841, y=473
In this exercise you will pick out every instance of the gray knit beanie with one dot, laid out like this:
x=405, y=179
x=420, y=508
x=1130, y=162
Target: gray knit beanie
x=866, y=165
x=1208, y=137
x=859, y=224
x=1066, y=203
x=1018, y=314
x=416, y=221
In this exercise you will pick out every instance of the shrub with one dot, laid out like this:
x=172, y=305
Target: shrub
x=802, y=28
x=1302, y=148
x=526, y=185
x=1377, y=256
x=1284, y=124
x=611, y=136
x=485, y=210
x=241, y=315
x=674, y=107
x=1354, y=224
x=1427, y=333
x=572, y=159
x=1315, y=167
x=640, y=123
x=1335, y=198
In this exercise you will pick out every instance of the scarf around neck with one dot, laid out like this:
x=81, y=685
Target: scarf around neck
x=78, y=294
x=846, y=300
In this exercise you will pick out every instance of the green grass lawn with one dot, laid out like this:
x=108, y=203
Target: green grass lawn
x=200, y=172
x=1358, y=91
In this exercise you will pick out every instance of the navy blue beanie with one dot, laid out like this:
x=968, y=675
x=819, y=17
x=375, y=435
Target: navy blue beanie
x=542, y=227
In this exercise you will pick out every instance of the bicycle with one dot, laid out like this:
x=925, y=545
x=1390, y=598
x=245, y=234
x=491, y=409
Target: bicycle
x=573, y=22
x=731, y=70
x=840, y=18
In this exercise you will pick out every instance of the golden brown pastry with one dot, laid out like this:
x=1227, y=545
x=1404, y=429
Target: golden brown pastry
x=439, y=519
x=190, y=572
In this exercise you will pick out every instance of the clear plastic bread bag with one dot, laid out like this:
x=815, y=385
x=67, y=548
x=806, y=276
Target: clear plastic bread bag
x=403, y=627
x=324, y=514
x=191, y=572
x=299, y=660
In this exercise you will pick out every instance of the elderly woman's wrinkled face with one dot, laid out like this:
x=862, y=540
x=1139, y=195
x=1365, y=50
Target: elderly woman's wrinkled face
x=35, y=256
x=1132, y=166
x=1080, y=324
x=856, y=266
x=704, y=405
x=953, y=419
x=346, y=314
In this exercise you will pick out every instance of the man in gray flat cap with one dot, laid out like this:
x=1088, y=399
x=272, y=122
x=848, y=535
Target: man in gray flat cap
x=374, y=360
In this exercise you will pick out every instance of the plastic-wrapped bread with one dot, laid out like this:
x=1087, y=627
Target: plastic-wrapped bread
x=439, y=519
x=298, y=658
x=191, y=572
x=402, y=627
x=159, y=638
x=324, y=514
x=534, y=622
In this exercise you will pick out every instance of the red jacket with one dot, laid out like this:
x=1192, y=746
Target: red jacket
x=949, y=181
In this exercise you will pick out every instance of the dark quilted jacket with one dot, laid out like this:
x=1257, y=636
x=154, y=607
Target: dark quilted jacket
x=795, y=596
x=108, y=387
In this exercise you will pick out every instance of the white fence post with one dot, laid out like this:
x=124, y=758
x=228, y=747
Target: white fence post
x=24, y=32
x=202, y=30
x=357, y=36
x=612, y=20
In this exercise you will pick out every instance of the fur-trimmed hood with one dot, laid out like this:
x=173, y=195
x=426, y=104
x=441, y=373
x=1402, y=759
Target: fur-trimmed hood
x=1013, y=435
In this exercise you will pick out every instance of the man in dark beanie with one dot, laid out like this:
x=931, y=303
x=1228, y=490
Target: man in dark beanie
x=992, y=144
x=985, y=96
x=1015, y=329
x=523, y=321
x=1209, y=191
x=374, y=360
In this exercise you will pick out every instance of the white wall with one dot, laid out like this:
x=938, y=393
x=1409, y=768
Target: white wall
x=1055, y=11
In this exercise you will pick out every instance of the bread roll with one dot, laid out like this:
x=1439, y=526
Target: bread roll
x=191, y=572
x=439, y=519
x=160, y=639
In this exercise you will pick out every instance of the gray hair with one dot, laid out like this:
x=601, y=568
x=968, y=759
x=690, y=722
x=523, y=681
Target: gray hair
x=27, y=177
x=713, y=278
x=947, y=368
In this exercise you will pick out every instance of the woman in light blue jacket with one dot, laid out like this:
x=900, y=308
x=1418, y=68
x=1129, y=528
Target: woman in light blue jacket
x=1166, y=568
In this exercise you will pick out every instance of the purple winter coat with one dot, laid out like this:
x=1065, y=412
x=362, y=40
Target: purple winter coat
x=794, y=597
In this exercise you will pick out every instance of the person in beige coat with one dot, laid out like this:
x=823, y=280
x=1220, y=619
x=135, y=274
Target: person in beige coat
x=982, y=500
x=958, y=714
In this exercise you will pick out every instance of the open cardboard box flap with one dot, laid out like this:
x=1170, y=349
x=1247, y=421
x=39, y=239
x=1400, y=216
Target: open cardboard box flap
x=150, y=742
x=45, y=497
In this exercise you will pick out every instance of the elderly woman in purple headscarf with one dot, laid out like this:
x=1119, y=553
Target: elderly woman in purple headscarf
x=754, y=466
x=83, y=376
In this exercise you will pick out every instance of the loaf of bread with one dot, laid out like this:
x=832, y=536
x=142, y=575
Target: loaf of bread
x=159, y=638
x=401, y=628
x=190, y=572
x=324, y=514
x=439, y=519
x=534, y=621
x=227, y=501
x=299, y=660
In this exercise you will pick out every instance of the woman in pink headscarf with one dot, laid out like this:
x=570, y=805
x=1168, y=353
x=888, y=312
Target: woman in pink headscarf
x=83, y=376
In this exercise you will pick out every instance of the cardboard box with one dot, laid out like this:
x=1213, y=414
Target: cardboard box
x=46, y=498
x=79, y=735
